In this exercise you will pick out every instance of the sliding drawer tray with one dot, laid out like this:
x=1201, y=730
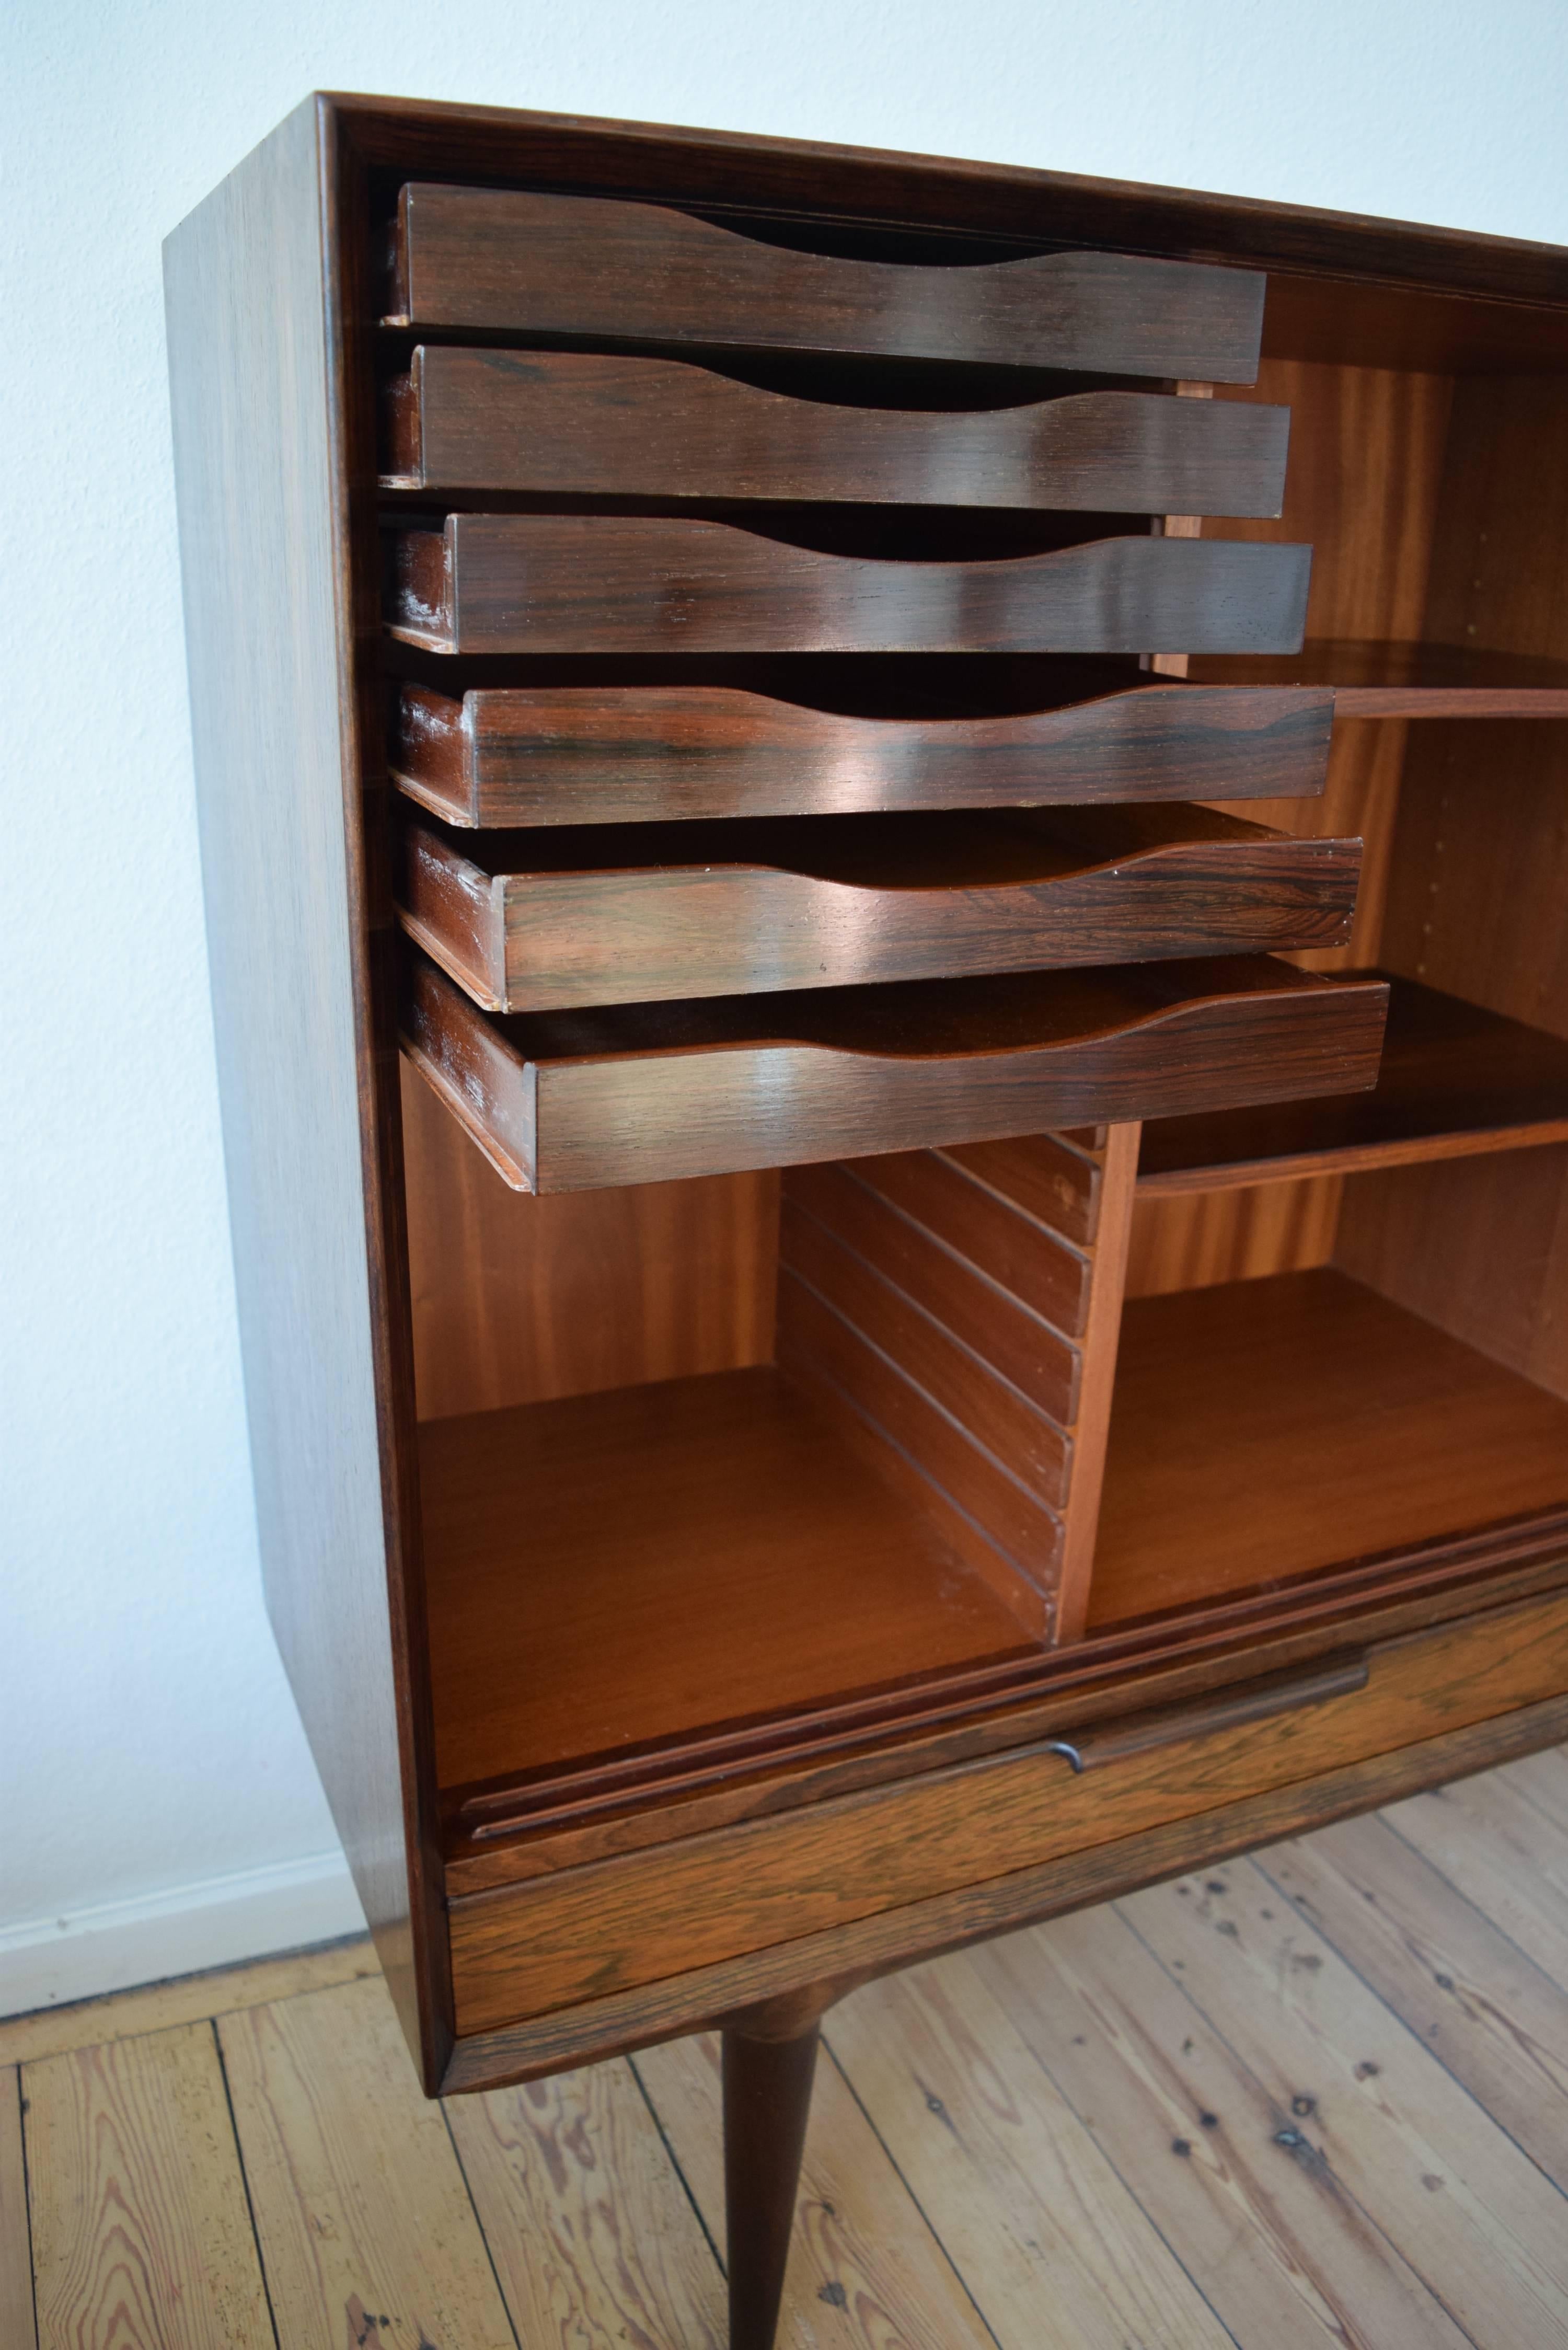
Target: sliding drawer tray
x=532, y=922
x=640, y=1093
x=601, y=269
x=639, y=584
x=632, y=753
x=588, y=423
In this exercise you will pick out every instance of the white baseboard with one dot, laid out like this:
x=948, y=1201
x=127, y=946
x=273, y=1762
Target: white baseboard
x=46, y=1961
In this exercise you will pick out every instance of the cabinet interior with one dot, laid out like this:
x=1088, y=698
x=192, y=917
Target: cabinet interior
x=717, y=1472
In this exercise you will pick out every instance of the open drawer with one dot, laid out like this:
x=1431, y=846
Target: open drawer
x=593, y=423
x=576, y=754
x=631, y=913
x=596, y=583
x=520, y=261
x=643, y=1092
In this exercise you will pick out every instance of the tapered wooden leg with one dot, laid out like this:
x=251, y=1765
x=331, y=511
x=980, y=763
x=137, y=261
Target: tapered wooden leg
x=767, y=2097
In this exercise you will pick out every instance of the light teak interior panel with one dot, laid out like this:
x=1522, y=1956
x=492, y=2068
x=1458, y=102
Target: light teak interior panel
x=1365, y=471
x=610, y=1571
x=1480, y=888
x=519, y=1300
x=1271, y=1428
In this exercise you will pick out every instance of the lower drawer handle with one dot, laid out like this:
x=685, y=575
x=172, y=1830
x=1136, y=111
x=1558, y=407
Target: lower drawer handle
x=1226, y=1709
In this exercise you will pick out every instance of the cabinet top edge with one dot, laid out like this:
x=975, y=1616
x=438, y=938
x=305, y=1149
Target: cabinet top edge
x=743, y=171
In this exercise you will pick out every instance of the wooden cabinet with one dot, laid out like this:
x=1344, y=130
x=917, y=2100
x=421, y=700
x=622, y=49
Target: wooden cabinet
x=894, y=1041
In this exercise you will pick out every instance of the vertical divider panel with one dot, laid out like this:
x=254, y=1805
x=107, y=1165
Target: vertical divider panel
x=957, y=1313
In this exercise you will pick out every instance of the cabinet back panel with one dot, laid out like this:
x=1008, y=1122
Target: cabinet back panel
x=1194, y=1240
x=520, y=1300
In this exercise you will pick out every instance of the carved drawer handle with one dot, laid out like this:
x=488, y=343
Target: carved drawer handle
x=1282, y=1693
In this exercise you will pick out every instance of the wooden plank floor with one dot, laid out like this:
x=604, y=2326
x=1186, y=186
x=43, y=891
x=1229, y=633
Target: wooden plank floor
x=1318, y=2097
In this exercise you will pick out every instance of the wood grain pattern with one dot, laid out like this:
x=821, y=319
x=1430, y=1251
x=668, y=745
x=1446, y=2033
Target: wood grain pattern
x=894, y=1938
x=594, y=1930
x=874, y=1350
x=518, y=1300
x=964, y=1385
x=1152, y=2078
x=1054, y=1177
x=1499, y=2025
x=16, y=2315
x=140, y=2230
x=1488, y=2237
x=1477, y=1247
x=1195, y=1240
x=589, y=582
x=360, y=2208
x=261, y=400
x=1475, y=906
x=503, y=259
x=1367, y=462
x=1010, y=2177
x=611, y=1571
x=582, y=423
x=616, y=914
x=585, y=2214
x=1503, y=287
x=1368, y=1428
x=552, y=754
x=1019, y=1253
x=1010, y=1535
x=1455, y=1082
x=979, y=1308
x=562, y=1101
x=858, y=2275
x=1509, y=1850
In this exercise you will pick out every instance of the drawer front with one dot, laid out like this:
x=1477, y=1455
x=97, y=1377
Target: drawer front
x=565, y=1101
x=636, y=584
x=626, y=754
x=586, y=423
x=634, y=914
x=602, y=1928
x=598, y=267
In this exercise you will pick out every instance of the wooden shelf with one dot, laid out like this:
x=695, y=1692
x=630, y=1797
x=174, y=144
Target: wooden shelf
x=615, y=1570
x=1456, y=1082
x=1394, y=679
x=1265, y=1429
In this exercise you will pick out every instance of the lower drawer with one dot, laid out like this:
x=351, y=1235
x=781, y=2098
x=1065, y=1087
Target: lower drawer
x=607, y=1928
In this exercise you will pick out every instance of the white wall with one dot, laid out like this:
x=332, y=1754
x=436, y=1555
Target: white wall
x=159, y=1809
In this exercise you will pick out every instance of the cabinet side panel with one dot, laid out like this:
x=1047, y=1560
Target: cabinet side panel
x=251, y=374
